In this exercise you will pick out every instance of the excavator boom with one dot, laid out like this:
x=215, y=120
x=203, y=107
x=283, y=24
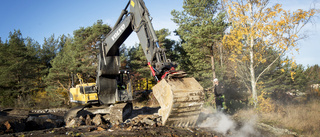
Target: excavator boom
x=180, y=98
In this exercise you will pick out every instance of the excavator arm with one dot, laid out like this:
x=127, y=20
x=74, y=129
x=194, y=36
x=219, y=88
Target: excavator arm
x=180, y=98
x=137, y=20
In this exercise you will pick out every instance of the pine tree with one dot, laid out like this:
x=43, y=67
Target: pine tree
x=124, y=57
x=170, y=45
x=138, y=63
x=75, y=55
x=86, y=44
x=18, y=70
x=58, y=80
x=137, y=59
x=49, y=50
x=201, y=26
x=313, y=74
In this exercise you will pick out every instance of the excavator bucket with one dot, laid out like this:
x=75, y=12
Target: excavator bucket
x=181, y=101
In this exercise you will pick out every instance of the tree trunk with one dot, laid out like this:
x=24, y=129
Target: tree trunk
x=221, y=60
x=253, y=79
x=252, y=75
x=213, y=69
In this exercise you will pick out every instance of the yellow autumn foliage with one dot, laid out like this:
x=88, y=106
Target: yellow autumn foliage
x=269, y=24
x=44, y=99
x=40, y=96
x=255, y=27
x=265, y=104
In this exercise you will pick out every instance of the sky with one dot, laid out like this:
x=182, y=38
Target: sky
x=39, y=19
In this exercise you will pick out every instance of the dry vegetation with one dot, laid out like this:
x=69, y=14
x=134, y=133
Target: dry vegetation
x=301, y=118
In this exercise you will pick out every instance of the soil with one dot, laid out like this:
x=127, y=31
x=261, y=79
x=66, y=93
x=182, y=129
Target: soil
x=143, y=122
x=99, y=131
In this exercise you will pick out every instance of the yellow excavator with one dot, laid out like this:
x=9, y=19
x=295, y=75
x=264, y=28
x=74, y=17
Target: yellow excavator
x=86, y=93
x=180, y=97
x=83, y=93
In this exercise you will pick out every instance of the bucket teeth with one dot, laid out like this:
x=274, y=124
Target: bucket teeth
x=180, y=99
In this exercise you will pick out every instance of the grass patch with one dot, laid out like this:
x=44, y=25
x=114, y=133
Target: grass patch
x=301, y=118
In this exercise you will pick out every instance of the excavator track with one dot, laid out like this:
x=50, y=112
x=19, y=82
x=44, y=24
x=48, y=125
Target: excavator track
x=118, y=112
x=181, y=101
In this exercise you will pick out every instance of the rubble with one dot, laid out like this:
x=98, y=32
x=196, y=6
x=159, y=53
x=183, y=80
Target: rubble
x=97, y=120
x=12, y=125
x=148, y=121
x=88, y=121
x=145, y=121
x=53, y=110
x=7, y=125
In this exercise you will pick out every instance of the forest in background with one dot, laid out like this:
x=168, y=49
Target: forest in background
x=34, y=75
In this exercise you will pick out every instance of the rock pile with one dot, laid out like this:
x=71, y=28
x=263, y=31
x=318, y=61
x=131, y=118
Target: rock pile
x=105, y=121
x=54, y=110
x=141, y=121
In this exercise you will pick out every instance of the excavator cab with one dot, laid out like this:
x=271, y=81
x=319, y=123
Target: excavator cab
x=84, y=94
x=124, y=86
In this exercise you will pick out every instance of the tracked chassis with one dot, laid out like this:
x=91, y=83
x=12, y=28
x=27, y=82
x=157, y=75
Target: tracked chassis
x=118, y=112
